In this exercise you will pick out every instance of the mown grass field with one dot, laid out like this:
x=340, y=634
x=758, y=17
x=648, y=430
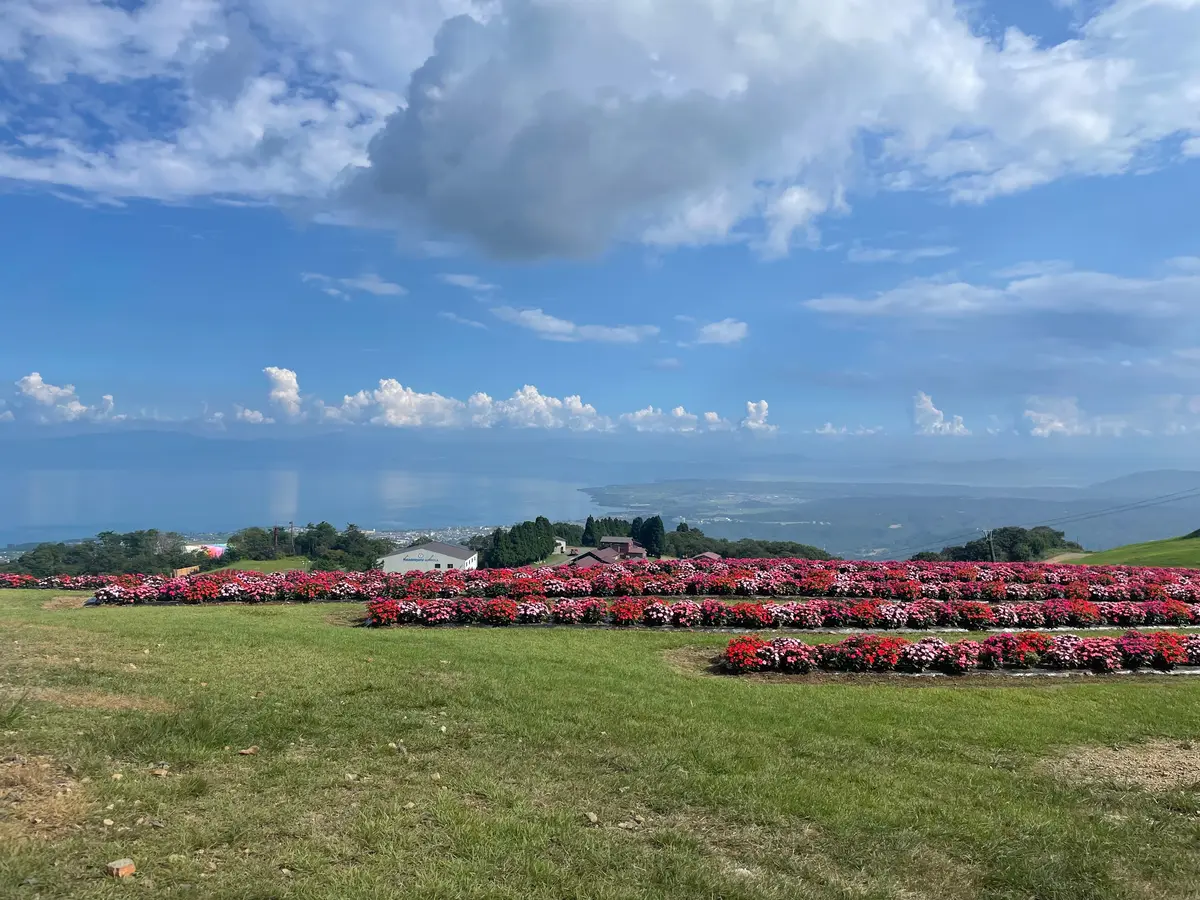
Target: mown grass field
x=1181, y=551
x=284, y=564
x=701, y=786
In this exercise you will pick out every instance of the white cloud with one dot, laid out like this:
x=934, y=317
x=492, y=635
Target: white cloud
x=727, y=331
x=552, y=328
x=369, y=283
x=675, y=421
x=353, y=407
x=931, y=420
x=7, y=416
x=400, y=407
x=1062, y=416
x=667, y=364
x=859, y=254
x=535, y=128
x=251, y=416
x=54, y=403
x=1038, y=292
x=373, y=284
x=395, y=405
x=756, y=417
x=467, y=282
x=460, y=320
x=285, y=390
x=529, y=408
x=830, y=430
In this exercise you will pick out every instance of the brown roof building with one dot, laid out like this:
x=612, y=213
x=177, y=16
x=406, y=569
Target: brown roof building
x=602, y=557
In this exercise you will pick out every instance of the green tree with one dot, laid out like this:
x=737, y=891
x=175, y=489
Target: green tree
x=571, y=532
x=635, y=529
x=253, y=543
x=590, y=537
x=654, y=536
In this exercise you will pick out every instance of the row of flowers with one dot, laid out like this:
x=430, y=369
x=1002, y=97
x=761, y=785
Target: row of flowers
x=1023, y=650
x=810, y=614
x=895, y=582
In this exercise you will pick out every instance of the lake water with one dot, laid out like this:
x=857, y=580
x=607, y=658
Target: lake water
x=57, y=504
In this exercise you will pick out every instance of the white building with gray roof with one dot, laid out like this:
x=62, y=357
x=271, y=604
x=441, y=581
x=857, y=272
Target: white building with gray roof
x=429, y=557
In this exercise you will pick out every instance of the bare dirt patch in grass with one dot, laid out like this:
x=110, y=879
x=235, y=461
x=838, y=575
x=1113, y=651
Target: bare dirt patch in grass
x=346, y=618
x=82, y=698
x=66, y=601
x=1153, y=766
x=693, y=660
x=38, y=798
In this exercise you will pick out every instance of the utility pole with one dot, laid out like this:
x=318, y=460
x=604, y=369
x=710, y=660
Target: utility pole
x=292, y=529
x=991, y=544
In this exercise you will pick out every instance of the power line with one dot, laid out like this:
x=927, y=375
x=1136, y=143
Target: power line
x=1145, y=503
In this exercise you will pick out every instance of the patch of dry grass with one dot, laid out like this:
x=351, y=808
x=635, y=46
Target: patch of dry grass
x=38, y=798
x=1152, y=766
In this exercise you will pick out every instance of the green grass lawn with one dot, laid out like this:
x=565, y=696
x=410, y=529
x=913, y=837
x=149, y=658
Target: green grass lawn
x=285, y=564
x=1172, y=552
x=506, y=739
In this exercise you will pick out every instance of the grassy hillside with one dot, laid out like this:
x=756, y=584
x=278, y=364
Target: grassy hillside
x=1181, y=551
x=286, y=564
x=463, y=763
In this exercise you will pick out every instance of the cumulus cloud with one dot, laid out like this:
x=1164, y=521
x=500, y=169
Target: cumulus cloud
x=931, y=420
x=285, y=390
x=756, y=417
x=341, y=288
x=675, y=421
x=1062, y=416
x=552, y=328
x=50, y=403
x=251, y=416
x=727, y=331
x=399, y=407
x=396, y=405
x=535, y=128
x=529, y=408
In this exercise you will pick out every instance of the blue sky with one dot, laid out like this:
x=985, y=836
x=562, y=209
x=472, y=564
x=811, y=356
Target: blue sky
x=810, y=220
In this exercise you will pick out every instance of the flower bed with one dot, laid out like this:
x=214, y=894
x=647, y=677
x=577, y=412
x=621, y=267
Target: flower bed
x=891, y=587
x=1159, y=650
x=807, y=614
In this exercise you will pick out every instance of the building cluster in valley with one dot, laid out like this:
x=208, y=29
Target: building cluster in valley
x=438, y=556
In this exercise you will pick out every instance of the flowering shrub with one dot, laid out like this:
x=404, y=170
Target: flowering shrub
x=749, y=654
x=863, y=653
x=957, y=658
x=686, y=614
x=921, y=655
x=751, y=615
x=499, y=611
x=1013, y=651
x=627, y=611
x=1162, y=650
x=657, y=614
x=795, y=657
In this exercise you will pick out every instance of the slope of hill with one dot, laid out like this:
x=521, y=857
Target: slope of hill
x=1180, y=551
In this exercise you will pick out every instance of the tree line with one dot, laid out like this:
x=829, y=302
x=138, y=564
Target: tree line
x=1008, y=544
x=154, y=552
x=151, y=552
x=326, y=548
